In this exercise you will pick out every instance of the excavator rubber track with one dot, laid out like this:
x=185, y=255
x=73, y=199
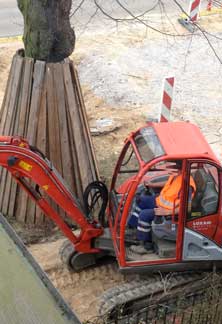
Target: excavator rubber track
x=66, y=252
x=130, y=297
x=75, y=261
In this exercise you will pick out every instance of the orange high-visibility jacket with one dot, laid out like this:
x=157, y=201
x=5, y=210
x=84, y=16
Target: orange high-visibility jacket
x=169, y=197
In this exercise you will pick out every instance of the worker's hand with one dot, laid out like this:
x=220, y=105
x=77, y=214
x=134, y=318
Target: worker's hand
x=160, y=211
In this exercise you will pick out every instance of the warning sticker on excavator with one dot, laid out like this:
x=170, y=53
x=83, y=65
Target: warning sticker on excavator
x=45, y=187
x=25, y=166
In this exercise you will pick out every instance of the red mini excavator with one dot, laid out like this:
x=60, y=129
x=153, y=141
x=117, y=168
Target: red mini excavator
x=190, y=240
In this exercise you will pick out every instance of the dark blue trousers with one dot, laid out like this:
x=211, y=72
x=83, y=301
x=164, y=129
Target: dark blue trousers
x=142, y=216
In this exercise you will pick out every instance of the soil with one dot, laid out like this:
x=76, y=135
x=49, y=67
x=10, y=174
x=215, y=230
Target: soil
x=121, y=73
x=81, y=290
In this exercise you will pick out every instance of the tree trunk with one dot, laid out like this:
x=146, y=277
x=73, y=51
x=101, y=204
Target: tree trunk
x=48, y=35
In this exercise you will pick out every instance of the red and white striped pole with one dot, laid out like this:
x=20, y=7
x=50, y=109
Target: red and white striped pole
x=167, y=99
x=209, y=5
x=194, y=10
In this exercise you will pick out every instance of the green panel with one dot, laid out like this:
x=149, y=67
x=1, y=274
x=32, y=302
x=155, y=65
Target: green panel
x=26, y=294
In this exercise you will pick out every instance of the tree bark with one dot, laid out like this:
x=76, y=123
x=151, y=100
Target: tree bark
x=48, y=35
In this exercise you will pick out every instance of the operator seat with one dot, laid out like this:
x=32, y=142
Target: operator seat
x=210, y=199
x=162, y=228
x=200, y=179
x=206, y=197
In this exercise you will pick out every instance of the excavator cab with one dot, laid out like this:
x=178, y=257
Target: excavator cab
x=150, y=156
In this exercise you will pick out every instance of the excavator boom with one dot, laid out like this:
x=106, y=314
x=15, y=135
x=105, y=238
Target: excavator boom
x=25, y=162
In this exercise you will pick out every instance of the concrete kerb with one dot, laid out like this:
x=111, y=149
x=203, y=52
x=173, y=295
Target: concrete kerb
x=213, y=11
x=10, y=39
x=202, y=13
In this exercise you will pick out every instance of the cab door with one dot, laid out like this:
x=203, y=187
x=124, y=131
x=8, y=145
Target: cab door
x=203, y=214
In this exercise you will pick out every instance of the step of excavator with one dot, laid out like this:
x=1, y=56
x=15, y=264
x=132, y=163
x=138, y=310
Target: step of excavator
x=149, y=256
x=166, y=249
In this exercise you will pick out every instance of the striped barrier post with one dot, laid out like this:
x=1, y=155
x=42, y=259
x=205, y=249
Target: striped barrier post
x=194, y=10
x=209, y=5
x=167, y=99
x=188, y=20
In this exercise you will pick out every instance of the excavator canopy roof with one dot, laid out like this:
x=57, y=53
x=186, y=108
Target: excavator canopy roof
x=182, y=139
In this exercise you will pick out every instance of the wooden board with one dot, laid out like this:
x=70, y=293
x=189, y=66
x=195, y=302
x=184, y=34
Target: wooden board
x=37, y=90
x=26, y=208
x=41, y=143
x=54, y=130
x=83, y=160
x=66, y=158
x=91, y=151
x=16, y=107
x=8, y=130
x=25, y=96
x=4, y=110
x=53, y=121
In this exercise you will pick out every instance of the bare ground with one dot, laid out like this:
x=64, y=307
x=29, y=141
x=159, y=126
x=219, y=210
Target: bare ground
x=80, y=290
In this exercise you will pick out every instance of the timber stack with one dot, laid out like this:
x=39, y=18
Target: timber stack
x=43, y=102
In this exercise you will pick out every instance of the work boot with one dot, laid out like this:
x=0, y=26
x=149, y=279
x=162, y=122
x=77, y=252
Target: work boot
x=141, y=249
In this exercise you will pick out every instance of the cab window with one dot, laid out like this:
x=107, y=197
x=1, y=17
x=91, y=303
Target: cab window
x=128, y=169
x=148, y=144
x=206, y=198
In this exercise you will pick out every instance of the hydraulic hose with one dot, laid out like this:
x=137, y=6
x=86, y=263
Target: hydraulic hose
x=96, y=195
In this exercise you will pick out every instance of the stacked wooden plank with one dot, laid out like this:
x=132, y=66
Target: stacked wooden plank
x=43, y=102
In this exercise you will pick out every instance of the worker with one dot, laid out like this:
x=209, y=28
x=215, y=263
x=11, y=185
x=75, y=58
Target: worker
x=149, y=206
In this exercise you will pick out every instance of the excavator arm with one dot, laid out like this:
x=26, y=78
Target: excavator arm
x=25, y=162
